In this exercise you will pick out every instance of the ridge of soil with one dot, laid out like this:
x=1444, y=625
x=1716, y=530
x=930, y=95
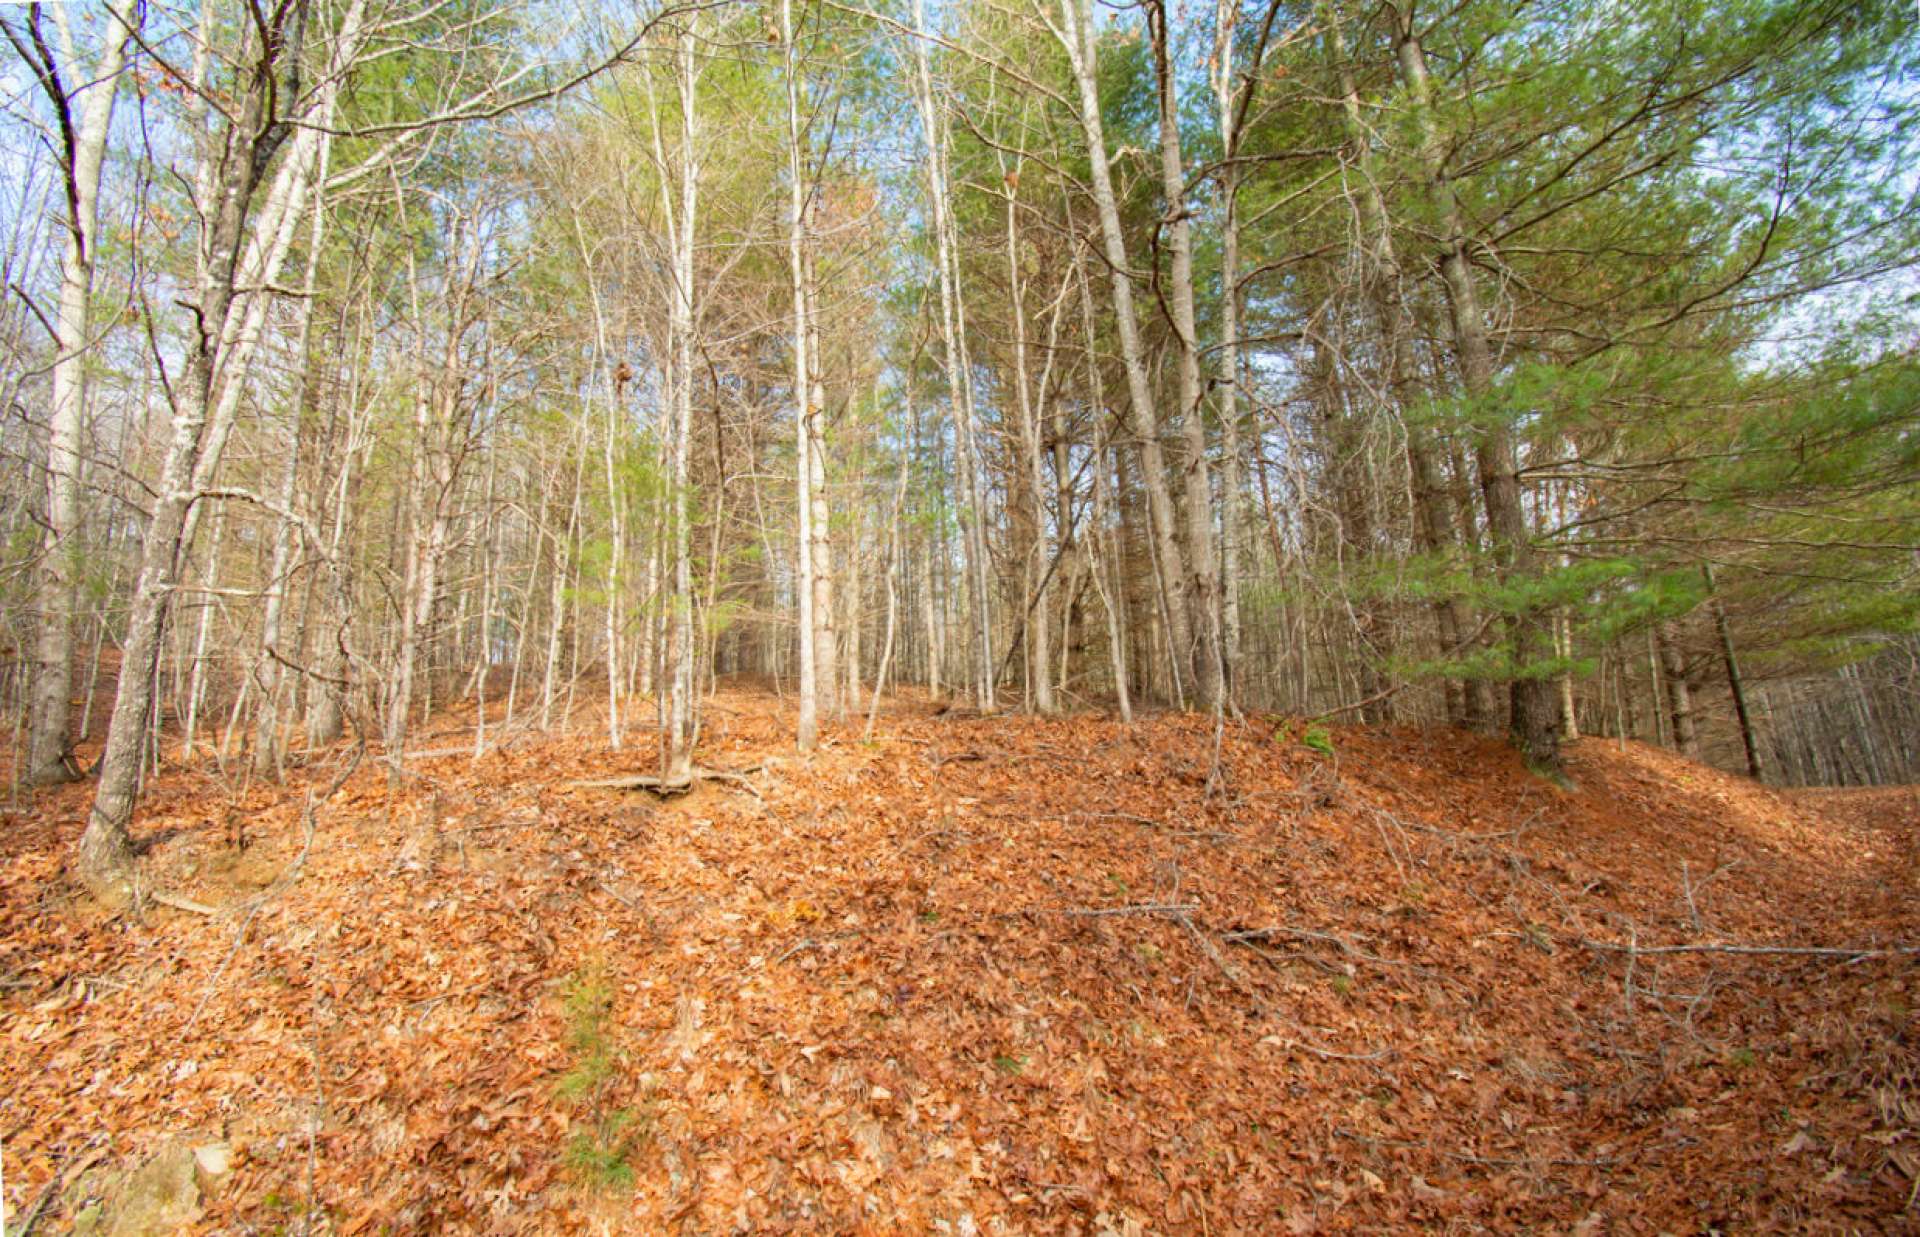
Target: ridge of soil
x=1000, y=974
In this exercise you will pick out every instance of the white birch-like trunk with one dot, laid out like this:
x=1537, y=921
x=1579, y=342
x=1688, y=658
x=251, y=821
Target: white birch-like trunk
x=105, y=859
x=826, y=644
x=959, y=375
x=1037, y=592
x=95, y=91
x=266, y=747
x=1076, y=35
x=678, y=749
x=809, y=723
x=1232, y=508
x=1202, y=583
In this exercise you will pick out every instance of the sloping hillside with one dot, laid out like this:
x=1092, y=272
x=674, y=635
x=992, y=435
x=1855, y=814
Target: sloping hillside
x=985, y=974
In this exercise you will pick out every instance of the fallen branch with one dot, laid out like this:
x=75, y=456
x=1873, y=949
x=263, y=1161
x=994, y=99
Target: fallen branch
x=1803, y=951
x=1467, y=1157
x=668, y=787
x=436, y=753
x=179, y=903
x=1174, y=909
x=1247, y=936
x=309, y=816
x=1357, y=705
x=639, y=781
x=1147, y=822
x=1315, y=1049
x=1211, y=950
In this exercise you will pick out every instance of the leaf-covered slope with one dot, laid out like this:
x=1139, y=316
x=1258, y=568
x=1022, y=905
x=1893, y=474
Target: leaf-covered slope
x=995, y=974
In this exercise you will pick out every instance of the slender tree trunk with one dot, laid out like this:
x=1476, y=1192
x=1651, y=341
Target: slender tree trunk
x=1077, y=37
x=105, y=860
x=1466, y=703
x=895, y=560
x=1673, y=668
x=196, y=667
x=436, y=405
x=1563, y=645
x=678, y=749
x=1039, y=650
x=1101, y=540
x=826, y=645
x=557, y=596
x=804, y=412
x=266, y=747
x=1233, y=513
x=95, y=88
x=936, y=629
x=324, y=714
x=959, y=375
x=1533, y=709
x=1202, y=584
x=1736, y=683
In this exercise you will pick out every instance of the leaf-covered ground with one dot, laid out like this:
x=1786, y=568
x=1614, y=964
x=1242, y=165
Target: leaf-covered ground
x=984, y=975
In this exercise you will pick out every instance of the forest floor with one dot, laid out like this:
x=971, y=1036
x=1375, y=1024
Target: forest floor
x=998, y=974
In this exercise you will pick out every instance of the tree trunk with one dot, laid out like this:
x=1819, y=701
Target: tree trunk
x=959, y=374
x=266, y=747
x=826, y=647
x=1228, y=98
x=1673, y=668
x=1100, y=539
x=58, y=577
x=1433, y=522
x=808, y=729
x=1202, y=584
x=1736, y=683
x=1533, y=709
x=1036, y=592
x=1076, y=36
x=105, y=860
x=678, y=749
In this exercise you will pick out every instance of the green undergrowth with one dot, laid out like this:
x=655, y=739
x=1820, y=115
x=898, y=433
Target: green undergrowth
x=604, y=1136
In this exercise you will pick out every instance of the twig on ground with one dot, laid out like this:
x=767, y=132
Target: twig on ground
x=179, y=903
x=310, y=816
x=1129, y=817
x=1212, y=951
x=1174, y=909
x=665, y=787
x=808, y=943
x=1330, y=1054
x=1469, y=1158
x=1686, y=884
x=1247, y=936
x=1147, y=822
x=1858, y=954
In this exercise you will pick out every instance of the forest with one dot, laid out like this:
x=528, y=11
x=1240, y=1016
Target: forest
x=1154, y=464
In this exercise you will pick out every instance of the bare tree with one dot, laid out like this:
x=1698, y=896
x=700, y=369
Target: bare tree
x=252, y=131
x=82, y=96
x=1076, y=36
x=806, y=413
x=682, y=223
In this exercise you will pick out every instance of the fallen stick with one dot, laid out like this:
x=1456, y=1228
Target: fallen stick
x=1175, y=909
x=1492, y=1160
x=179, y=903
x=666, y=787
x=638, y=781
x=1806, y=951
